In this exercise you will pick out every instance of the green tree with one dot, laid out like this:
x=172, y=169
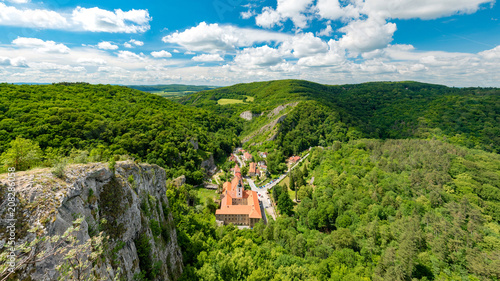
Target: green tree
x=23, y=154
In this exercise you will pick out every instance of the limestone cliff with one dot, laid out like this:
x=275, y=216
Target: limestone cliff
x=132, y=200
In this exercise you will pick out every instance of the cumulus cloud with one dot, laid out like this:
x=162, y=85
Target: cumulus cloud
x=161, y=54
x=423, y=9
x=19, y=1
x=331, y=9
x=126, y=55
x=41, y=46
x=80, y=19
x=367, y=35
x=99, y=20
x=105, y=45
x=305, y=44
x=247, y=14
x=212, y=38
x=37, y=18
x=491, y=54
x=136, y=42
x=258, y=57
x=16, y=62
x=325, y=32
x=208, y=57
x=286, y=9
x=91, y=61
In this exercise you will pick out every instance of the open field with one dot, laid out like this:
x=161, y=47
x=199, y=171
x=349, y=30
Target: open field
x=228, y=101
x=204, y=193
x=250, y=99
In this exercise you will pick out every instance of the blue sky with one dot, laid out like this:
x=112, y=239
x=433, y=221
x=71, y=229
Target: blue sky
x=223, y=42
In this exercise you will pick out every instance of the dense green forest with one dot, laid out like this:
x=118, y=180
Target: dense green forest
x=406, y=175
x=378, y=210
x=464, y=116
x=94, y=122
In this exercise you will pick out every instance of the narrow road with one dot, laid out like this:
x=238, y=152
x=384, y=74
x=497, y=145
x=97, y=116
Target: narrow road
x=242, y=164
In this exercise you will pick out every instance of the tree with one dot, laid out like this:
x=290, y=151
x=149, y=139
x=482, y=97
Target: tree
x=285, y=204
x=244, y=170
x=23, y=154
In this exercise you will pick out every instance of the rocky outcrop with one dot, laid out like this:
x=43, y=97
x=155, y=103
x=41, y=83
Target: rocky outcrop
x=278, y=109
x=209, y=165
x=131, y=200
x=248, y=115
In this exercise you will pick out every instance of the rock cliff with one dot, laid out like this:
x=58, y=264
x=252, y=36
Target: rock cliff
x=128, y=204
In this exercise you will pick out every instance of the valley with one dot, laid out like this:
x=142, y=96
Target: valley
x=372, y=181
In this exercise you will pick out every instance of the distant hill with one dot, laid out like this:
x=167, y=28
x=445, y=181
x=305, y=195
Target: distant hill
x=171, y=90
x=465, y=116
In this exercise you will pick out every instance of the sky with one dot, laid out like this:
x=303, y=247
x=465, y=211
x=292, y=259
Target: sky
x=224, y=42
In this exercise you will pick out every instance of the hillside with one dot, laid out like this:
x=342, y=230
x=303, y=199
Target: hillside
x=466, y=116
x=172, y=90
x=98, y=121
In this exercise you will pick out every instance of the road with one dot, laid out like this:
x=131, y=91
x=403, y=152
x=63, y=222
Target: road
x=242, y=164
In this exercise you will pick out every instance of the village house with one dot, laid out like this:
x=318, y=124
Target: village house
x=247, y=156
x=293, y=159
x=253, y=170
x=263, y=154
x=238, y=206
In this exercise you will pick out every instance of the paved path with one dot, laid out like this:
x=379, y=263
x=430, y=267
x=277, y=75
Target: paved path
x=242, y=164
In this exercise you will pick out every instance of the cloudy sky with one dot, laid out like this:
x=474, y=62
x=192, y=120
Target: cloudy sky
x=223, y=42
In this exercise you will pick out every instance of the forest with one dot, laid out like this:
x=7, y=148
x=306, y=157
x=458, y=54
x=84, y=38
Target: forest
x=402, y=181
x=381, y=110
x=378, y=210
x=82, y=122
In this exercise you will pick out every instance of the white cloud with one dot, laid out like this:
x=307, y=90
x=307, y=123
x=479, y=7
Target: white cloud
x=268, y=18
x=105, y=45
x=126, y=55
x=91, y=61
x=331, y=9
x=286, y=9
x=127, y=45
x=16, y=62
x=136, y=42
x=37, y=18
x=248, y=14
x=334, y=56
x=305, y=44
x=208, y=57
x=258, y=57
x=19, y=1
x=98, y=20
x=423, y=9
x=367, y=35
x=81, y=19
x=48, y=66
x=212, y=38
x=41, y=46
x=491, y=54
x=176, y=51
x=325, y=32
x=161, y=54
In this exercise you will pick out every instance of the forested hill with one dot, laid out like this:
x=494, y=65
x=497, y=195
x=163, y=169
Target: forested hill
x=464, y=116
x=98, y=121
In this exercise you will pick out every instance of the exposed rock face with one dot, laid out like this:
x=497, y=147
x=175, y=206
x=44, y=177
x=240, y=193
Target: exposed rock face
x=209, y=165
x=278, y=109
x=132, y=200
x=248, y=115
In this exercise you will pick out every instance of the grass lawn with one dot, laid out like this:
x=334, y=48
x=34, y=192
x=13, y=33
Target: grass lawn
x=250, y=99
x=228, y=101
x=204, y=193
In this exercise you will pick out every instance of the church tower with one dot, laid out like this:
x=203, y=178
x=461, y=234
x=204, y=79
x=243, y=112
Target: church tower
x=239, y=189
